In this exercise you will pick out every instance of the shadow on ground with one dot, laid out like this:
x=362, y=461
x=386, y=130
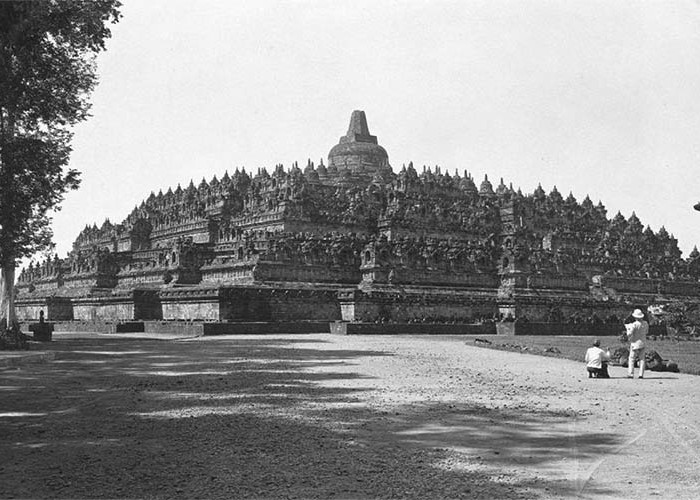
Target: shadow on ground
x=247, y=418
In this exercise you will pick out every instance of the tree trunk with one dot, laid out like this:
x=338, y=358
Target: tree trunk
x=7, y=270
x=7, y=293
x=2, y=299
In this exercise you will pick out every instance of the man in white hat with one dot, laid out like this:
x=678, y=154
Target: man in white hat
x=637, y=335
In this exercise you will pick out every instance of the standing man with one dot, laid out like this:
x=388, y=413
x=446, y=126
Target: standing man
x=637, y=335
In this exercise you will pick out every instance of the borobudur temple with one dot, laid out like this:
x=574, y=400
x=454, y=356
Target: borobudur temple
x=354, y=241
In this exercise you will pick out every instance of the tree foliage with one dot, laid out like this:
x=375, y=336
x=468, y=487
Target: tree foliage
x=47, y=72
x=682, y=317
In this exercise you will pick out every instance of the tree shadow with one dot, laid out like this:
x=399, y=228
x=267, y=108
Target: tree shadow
x=246, y=418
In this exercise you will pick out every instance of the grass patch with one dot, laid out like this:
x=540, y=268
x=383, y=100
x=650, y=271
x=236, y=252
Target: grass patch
x=686, y=353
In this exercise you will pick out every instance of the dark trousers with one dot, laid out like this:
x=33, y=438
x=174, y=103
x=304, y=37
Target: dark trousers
x=598, y=372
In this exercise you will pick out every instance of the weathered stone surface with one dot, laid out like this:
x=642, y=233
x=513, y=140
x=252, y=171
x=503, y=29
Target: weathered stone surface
x=42, y=331
x=358, y=157
x=344, y=328
x=355, y=241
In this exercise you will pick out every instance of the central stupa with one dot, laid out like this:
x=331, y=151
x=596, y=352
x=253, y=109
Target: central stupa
x=357, y=154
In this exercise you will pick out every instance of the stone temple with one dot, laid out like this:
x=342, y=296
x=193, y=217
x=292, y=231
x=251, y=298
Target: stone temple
x=355, y=241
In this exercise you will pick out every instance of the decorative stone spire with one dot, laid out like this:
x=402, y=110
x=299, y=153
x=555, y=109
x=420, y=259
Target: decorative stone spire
x=322, y=171
x=486, y=187
x=358, y=131
x=467, y=184
x=539, y=192
x=501, y=189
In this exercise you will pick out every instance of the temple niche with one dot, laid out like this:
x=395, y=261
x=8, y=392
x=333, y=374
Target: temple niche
x=355, y=240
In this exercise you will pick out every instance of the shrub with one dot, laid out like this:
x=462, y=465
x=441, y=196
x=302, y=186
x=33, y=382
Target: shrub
x=12, y=338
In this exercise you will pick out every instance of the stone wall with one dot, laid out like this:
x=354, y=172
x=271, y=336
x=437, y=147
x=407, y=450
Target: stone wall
x=343, y=328
x=29, y=311
x=557, y=306
x=86, y=326
x=279, y=304
x=557, y=282
x=404, y=305
x=191, y=304
x=547, y=328
x=457, y=279
x=105, y=309
x=134, y=278
x=55, y=309
x=258, y=327
x=680, y=288
x=630, y=285
x=305, y=273
x=147, y=305
x=113, y=306
x=184, y=328
x=239, y=273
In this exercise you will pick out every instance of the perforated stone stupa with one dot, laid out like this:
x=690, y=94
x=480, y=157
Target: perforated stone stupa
x=356, y=241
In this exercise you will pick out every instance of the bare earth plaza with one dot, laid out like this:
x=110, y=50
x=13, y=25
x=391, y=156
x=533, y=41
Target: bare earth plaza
x=357, y=326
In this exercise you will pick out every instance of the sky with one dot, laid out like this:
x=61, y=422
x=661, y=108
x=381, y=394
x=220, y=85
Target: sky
x=598, y=98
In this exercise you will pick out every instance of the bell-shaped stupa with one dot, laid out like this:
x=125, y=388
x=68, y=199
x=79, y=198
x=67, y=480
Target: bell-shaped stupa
x=358, y=153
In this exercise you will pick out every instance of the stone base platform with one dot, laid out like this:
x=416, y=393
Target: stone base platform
x=42, y=331
x=202, y=328
x=561, y=329
x=345, y=328
x=191, y=328
x=500, y=328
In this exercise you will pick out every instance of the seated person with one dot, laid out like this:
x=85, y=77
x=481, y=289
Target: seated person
x=597, y=361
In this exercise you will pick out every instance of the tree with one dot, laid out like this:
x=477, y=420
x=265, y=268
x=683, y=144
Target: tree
x=47, y=72
x=681, y=317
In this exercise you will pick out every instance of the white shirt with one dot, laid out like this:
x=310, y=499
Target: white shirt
x=595, y=357
x=637, y=333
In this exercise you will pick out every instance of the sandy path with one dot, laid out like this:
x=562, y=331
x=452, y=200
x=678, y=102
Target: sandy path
x=322, y=416
x=615, y=438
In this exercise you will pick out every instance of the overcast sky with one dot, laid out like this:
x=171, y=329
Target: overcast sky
x=596, y=97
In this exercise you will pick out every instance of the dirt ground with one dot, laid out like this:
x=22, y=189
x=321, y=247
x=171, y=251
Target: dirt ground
x=321, y=416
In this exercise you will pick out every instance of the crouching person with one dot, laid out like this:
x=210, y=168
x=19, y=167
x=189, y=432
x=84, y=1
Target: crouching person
x=597, y=361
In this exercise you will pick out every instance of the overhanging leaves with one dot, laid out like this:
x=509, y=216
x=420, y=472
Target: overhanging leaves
x=47, y=71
